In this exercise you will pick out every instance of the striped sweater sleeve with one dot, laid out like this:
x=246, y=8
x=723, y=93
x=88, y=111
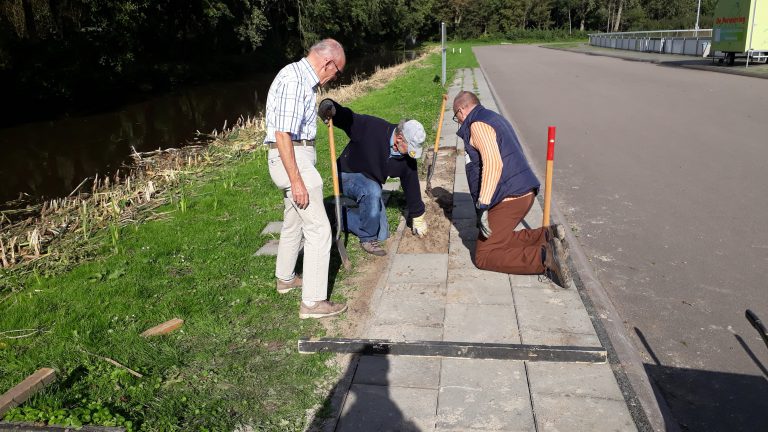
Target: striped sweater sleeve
x=483, y=138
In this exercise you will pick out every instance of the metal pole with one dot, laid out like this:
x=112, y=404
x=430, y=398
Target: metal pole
x=698, y=12
x=442, y=39
x=751, y=32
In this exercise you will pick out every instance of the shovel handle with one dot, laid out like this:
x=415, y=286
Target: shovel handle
x=332, y=145
x=757, y=324
x=440, y=123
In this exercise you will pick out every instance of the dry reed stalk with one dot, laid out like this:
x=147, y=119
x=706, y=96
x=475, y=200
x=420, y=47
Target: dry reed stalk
x=2, y=251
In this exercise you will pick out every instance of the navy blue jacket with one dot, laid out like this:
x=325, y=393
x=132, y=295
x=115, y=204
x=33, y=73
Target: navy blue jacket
x=368, y=152
x=517, y=178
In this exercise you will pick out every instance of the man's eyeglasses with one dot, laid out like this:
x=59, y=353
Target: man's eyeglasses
x=338, y=71
x=455, y=114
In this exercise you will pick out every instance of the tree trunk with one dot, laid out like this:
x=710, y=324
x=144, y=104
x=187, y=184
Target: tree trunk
x=610, y=15
x=617, y=21
x=570, y=29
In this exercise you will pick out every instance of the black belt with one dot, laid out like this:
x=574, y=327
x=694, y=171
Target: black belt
x=296, y=143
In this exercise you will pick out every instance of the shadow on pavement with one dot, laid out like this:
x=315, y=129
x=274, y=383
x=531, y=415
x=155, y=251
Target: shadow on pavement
x=702, y=400
x=365, y=405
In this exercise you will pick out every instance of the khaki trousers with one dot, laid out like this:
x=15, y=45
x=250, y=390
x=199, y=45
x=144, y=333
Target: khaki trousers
x=510, y=251
x=310, y=224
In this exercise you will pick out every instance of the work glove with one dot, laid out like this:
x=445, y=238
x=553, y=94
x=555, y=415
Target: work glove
x=482, y=222
x=327, y=110
x=419, y=226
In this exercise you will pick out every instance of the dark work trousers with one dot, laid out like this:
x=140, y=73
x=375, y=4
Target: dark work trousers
x=510, y=251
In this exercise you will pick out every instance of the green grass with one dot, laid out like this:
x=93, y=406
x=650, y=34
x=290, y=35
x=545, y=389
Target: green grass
x=234, y=361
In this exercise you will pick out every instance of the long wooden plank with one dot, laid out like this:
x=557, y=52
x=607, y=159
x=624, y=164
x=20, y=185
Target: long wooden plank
x=23, y=390
x=473, y=350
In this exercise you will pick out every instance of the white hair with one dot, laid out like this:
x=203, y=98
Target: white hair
x=328, y=47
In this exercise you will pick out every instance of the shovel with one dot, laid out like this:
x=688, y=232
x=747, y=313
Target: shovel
x=431, y=167
x=337, y=199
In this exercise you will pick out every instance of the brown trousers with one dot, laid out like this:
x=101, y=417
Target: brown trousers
x=510, y=251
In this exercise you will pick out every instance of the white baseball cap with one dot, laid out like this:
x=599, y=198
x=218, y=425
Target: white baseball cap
x=414, y=135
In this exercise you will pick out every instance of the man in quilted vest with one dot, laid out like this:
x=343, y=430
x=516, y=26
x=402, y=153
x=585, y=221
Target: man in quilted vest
x=503, y=188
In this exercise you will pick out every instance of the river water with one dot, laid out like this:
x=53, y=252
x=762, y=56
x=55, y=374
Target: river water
x=50, y=159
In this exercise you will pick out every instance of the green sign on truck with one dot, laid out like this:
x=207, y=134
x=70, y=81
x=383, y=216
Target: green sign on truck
x=740, y=26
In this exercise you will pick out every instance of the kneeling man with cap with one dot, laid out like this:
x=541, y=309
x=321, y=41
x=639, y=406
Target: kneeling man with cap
x=377, y=150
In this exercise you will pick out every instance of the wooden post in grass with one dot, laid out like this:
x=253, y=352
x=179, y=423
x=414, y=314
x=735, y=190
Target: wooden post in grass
x=548, y=181
x=22, y=391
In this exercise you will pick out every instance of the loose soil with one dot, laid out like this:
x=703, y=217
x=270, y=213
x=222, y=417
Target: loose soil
x=438, y=208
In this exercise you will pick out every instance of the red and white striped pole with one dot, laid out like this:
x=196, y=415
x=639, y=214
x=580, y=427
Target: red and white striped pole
x=548, y=181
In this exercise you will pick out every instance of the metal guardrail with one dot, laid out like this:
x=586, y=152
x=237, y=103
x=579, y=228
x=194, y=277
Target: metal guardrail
x=682, y=42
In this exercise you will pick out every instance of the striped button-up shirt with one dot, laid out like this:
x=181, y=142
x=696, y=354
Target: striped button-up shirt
x=291, y=102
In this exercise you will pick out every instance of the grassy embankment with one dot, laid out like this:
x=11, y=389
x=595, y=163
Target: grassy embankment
x=234, y=361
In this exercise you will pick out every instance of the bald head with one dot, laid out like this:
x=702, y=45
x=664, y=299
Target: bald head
x=329, y=48
x=463, y=104
x=327, y=59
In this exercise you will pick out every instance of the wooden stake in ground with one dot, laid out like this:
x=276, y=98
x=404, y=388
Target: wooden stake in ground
x=431, y=168
x=548, y=181
x=22, y=391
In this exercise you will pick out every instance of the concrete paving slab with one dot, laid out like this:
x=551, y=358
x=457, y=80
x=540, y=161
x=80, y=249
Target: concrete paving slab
x=573, y=380
x=391, y=186
x=550, y=337
x=479, y=287
x=398, y=371
x=419, y=307
x=405, y=332
x=563, y=413
x=269, y=248
x=484, y=395
x=462, y=210
x=551, y=309
x=480, y=323
x=383, y=408
x=272, y=228
x=418, y=268
x=526, y=280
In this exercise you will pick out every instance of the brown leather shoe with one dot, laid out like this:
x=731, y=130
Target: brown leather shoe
x=321, y=309
x=284, y=287
x=556, y=261
x=373, y=247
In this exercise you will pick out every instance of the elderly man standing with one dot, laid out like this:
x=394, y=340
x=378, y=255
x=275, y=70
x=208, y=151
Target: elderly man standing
x=291, y=116
x=503, y=188
x=377, y=149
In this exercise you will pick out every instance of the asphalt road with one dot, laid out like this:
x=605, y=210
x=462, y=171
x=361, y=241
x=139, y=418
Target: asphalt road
x=662, y=173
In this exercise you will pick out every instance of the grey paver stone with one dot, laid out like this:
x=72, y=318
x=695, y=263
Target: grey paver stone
x=269, y=248
x=417, y=307
x=272, y=228
x=550, y=337
x=419, y=268
x=566, y=414
x=573, y=380
x=475, y=286
x=391, y=186
x=405, y=332
x=400, y=371
x=462, y=210
x=551, y=309
x=480, y=323
x=484, y=395
x=384, y=408
x=526, y=280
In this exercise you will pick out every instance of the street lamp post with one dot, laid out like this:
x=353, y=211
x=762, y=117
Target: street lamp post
x=698, y=12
